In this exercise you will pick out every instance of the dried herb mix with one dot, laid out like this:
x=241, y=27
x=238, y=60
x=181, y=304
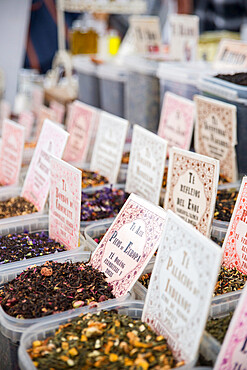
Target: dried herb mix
x=218, y=327
x=16, y=206
x=229, y=280
x=16, y=247
x=103, y=203
x=237, y=78
x=53, y=287
x=105, y=340
x=91, y=179
x=225, y=203
x=126, y=157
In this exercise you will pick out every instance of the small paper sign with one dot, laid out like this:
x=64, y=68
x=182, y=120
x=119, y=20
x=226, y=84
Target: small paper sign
x=235, y=242
x=181, y=286
x=65, y=203
x=184, y=37
x=146, y=33
x=231, y=55
x=233, y=351
x=146, y=164
x=26, y=119
x=129, y=243
x=108, y=147
x=177, y=120
x=52, y=141
x=82, y=119
x=44, y=113
x=59, y=110
x=192, y=184
x=13, y=138
x=37, y=98
x=5, y=110
x=216, y=133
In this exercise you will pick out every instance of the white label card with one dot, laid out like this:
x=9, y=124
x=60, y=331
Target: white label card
x=192, y=185
x=231, y=55
x=108, y=147
x=181, y=286
x=146, y=32
x=216, y=133
x=146, y=164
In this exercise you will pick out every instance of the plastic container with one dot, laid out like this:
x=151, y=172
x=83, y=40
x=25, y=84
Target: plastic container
x=142, y=93
x=42, y=331
x=94, y=230
x=238, y=91
x=213, y=89
x=112, y=82
x=88, y=80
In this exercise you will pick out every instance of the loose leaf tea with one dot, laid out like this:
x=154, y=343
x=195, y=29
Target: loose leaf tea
x=16, y=247
x=229, y=280
x=145, y=279
x=16, y=206
x=91, y=179
x=103, y=203
x=106, y=340
x=237, y=78
x=218, y=327
x=53, y=287
x=126, y=157
x=164, y=181
x=225, y=203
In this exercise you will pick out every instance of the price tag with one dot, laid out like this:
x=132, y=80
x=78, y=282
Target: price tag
x=235, y=242
x=37, y=98
x=59, y=110
x=232, y=55
x=177, y=120
x=184, y=37
x=192, y=184
x=65, y=203
x=146, y=164
x=12, y=146
x=82, y=120
x=26, y=119
x=233, y=351
x=216, y=133
x=146, y=33
x=109, y=144
x=181, y=286
x=129, y=243
x=44, y=113
x=52, y=141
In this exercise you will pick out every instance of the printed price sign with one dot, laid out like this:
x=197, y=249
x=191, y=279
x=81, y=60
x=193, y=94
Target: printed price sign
x=192, y=184
x=233, y=351
x=181, y=286
x=184, y=37
x=108, y=147
x=12, y=146
x=82, y=120
x=26, y=119
x=44, y=113
x=216, y=133
x=129, y=243
x=59, y=110
x=235, y=242
x=232, y=55
x=52, y=141
x=177, y=120
x=146, y=164
x=65, y=203
x=146, y=33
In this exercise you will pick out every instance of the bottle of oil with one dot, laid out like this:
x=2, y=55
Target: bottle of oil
x=84, y=38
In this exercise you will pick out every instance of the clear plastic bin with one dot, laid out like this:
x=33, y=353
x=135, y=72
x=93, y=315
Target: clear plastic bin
x=88, y=80
x=42, y=331
x=94, y=230
x=112, y=82
x=35, y=224
x=239, y=90
x=142, y=93
x=27, y=156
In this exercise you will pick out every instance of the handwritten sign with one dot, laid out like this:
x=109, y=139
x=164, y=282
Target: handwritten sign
x=146, y=164
x=231, y=55
x=146, y=33
x=59, y=110
x=37, y=98
x=176, y=121
x=109, y=144
x=181, y=286
x=65, y=203
x=235, y=242
x=12, y=146
x=184, y=37
x=233, y=351
x=26, y=119
x=192, y=184
x=52, y=141
x=129, y=243
x=44, y=113
x=216, y=133
x=82, y=119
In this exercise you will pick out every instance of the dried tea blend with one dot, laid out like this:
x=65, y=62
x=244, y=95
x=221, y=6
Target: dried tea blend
x=91, y=179
x=16, y=206
x=225, y=203
x=218, y=327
